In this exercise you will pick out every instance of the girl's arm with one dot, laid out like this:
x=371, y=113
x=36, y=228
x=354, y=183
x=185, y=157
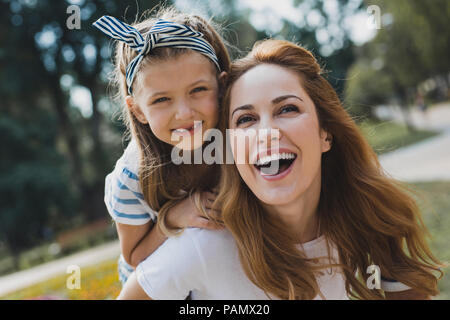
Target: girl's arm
x=138, y=242
x=144, y=237
x=132, y=290
x=171, y=272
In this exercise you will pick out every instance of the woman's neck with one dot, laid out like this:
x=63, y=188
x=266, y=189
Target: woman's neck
x=300, y=216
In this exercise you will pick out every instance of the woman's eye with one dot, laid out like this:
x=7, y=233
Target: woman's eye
x=159, y=100
x=288, y=108
x=243, y=120
x=198, y=89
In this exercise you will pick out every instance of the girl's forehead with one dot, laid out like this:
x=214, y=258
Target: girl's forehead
x=176, y=72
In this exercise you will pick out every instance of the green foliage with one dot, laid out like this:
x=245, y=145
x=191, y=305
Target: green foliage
x=366, y=87
x=33, y=186
x=410, y=49
x=54, y=161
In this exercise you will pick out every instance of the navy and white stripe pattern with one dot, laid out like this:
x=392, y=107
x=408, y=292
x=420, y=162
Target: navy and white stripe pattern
x=123, y=195
x=124, y=270
x=162, y=34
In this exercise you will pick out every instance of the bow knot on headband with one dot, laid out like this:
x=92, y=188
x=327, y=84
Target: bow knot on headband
x=161, y=34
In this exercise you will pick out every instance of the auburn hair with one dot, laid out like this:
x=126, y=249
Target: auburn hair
x=369, y=217
x=161, y=180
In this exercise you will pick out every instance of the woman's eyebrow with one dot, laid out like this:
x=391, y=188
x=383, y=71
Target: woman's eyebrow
x=244, y=107
x=287, y=96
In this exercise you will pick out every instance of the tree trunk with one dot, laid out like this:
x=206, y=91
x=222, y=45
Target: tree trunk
x=69, y=134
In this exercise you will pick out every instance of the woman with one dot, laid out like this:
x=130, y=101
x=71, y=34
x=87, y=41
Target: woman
x=305, y=230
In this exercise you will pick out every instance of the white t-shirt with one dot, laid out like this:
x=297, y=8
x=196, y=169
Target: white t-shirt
x=206, y=263
x=123, y=195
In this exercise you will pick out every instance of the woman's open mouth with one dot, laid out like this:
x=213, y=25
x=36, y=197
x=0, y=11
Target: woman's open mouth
x=275, y=166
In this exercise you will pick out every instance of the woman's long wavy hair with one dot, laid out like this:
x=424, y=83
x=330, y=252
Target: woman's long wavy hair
x=160, y=179
x=369, y=217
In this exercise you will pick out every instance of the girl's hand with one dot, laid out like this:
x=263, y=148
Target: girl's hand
x=186, y=214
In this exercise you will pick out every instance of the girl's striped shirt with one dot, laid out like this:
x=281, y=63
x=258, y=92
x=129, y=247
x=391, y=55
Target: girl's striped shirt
x=123, y=195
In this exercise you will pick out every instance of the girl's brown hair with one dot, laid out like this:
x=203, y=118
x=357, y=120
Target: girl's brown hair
x=370, y=218
x=162, y=182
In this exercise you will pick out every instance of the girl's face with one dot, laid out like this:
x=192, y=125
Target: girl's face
x=171, y=95
x=271, y=98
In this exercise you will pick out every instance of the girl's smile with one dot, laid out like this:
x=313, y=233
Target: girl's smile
x=188, y=129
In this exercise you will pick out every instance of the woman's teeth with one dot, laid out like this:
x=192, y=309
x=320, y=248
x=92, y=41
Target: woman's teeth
x=274, y=157
x=275, y=164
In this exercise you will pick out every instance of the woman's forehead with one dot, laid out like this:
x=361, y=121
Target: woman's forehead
x=264, y=83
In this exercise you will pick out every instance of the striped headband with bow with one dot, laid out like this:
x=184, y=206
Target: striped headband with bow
x=162, y=34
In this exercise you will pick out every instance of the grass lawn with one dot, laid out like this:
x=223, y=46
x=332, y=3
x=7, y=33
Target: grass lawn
x=98, y=282
x=435, y=207
x=387, y=136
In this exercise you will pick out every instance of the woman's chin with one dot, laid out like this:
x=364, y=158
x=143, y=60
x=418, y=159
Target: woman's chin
x=276, y=196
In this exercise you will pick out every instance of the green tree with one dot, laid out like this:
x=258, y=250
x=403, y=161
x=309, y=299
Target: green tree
x=410, y=49
x=53, y=161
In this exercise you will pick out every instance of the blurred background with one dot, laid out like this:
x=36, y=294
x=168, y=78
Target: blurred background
x=60, y=134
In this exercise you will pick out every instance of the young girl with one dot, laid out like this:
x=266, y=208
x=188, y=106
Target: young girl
x=306, y=230
x=169, y=69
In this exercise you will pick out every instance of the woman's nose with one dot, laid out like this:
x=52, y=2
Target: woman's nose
x=269, y=138
x=268, y=133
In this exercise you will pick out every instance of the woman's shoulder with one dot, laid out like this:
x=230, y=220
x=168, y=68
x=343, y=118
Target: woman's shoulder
x=189, y=255
x=198, y=249
x=205, y=241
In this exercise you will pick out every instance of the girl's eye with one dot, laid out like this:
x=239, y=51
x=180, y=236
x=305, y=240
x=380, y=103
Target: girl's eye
x=198, y=89
x=288, y=108
x=243, y=119
x=159, y=100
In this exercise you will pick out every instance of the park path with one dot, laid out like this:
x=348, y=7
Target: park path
x=46, y=271
x=428, y=160
x=424, y=161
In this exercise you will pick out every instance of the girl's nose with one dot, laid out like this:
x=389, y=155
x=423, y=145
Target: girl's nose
x=184, y=112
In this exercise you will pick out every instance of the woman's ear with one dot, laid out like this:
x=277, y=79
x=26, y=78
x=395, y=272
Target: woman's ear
x=326, y=140
x=135, y=110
